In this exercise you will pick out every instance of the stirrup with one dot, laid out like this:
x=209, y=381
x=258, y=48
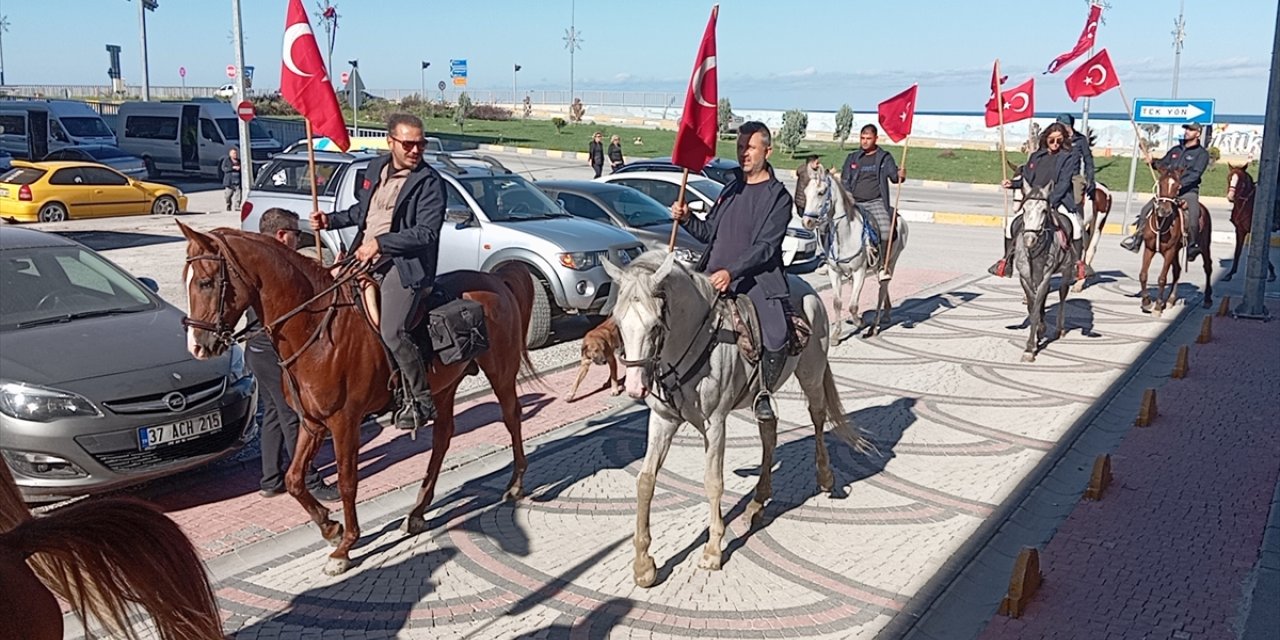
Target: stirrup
x=763, y=407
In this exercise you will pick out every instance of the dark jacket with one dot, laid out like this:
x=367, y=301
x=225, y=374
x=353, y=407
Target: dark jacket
x=1043, y=168
x=1083, y=155
x=887, y=171
x=595, y=152
x=763, y=261
x=414, y=240
x=230, y=173
x=615, y=153
x=1192, y=160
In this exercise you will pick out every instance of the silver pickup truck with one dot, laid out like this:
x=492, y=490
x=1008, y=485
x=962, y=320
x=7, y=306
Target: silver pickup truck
x=492, y=217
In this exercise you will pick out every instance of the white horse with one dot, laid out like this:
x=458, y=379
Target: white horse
x=842, y=232
x=673, y=324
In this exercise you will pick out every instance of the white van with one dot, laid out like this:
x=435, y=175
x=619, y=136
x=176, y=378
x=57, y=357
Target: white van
x=30, y=129
x=187, y=137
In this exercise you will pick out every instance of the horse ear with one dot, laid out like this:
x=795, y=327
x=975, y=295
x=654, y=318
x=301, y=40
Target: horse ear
x=195, y=237
x=665, y=269
x=1012, y=167
x=615, y=272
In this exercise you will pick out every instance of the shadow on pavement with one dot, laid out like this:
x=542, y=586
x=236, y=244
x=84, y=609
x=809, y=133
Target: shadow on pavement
x=596, y=624
x=913, y=311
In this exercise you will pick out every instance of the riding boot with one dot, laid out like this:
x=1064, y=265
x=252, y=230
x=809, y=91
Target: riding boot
x=419, y=408
x=1003, y=268
x=771, y=363
x=1078, y=247
x=1134, y=242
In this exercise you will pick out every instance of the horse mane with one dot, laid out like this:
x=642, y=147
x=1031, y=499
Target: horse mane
x=649, y=262
x=309, y=266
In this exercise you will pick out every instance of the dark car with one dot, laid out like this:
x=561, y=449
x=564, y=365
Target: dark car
x=718, y=169
x=113, y=157
x=97, y=390
x=625, y=208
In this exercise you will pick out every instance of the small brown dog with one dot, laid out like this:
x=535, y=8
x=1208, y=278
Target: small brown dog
x=599, y=346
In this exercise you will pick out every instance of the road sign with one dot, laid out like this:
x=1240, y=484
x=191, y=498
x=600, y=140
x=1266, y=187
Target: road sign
x=182, y=72
x=441, y=85
x=231, y=71
x=345, y=77
x=1172, y=111
x=458, y=71
x=245, y=110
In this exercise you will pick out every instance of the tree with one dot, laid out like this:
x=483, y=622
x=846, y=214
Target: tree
x=724, y=114
x=794, y=125
x=844, y=124
x=461, y=111
x=558, y=123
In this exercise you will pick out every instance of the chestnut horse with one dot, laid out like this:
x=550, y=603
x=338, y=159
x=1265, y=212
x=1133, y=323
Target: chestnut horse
x=1164, y=234
x=1241, y=192
x=337, y=363
x=105, y=558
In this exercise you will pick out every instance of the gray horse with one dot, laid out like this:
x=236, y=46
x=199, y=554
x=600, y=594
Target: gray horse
x=842, y=232
x=1038, y=256
x=683, y=359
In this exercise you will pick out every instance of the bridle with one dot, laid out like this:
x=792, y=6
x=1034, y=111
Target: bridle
x=674, y=374
x=220, y=330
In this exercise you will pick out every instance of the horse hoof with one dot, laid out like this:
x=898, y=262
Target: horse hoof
x=513, y=494
x=413, y=525
x=1028, y=357
x=1208, y=302
x=334, y=538
x=1229, y=276
x=755, y=513
x=336, y=566
x=825, y=481
x=1157, y=312
x=709, y=561
x=646, y=572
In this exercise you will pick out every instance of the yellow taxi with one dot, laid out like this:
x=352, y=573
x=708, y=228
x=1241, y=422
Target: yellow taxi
x=57, y=191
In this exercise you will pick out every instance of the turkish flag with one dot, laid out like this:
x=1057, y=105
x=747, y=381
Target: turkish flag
x=696, y=135
x=1094, y=77
x=1019, y=104
x=304, y=82
x=1087, y=39
x=996, y=81
x=897, y=114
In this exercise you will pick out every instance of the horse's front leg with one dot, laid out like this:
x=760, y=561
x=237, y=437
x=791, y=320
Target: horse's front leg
x=713, y=480
x=310, y=436
x=1063, y=287
x=1163, y=295
x=837, y=283
x=764, y=486
x=661, y=430
x=1206, y=238
x=1235, y=258
x=1147, y=255
x=346, y=441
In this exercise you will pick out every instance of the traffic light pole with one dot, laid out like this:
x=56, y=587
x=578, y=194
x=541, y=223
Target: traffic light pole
x=246, y=141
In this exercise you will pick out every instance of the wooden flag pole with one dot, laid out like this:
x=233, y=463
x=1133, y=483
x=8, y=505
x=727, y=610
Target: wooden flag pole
x=893, y=218
x=1004, y=160
x=675, y=224
x=315, y=198
x=1138, y=132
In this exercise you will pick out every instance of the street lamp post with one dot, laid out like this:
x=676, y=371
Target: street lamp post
x=1179, y=34
x=515, y=93
x=572, y=42
x=143, y=7
x=4, y=26
x=423, y=93
x=353, y=84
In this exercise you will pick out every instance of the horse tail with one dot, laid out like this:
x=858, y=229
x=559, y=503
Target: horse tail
x=836, y=417
x=520, y=281
x=107, y=556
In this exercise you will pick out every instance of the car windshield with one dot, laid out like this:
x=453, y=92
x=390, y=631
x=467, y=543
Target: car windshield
x=106, y=153
x=230, y=128
x=510, y=198
x=708, y=188
x=638, y=209
x=50, y=285
x=86, y=127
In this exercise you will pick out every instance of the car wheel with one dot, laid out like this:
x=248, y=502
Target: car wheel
x=164, y=206
x=152, y=172
x=53, y=212
x=540, y=321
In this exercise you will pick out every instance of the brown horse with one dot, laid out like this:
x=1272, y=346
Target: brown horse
x=337, y=363
x=1241, y=191
x=104, y=557
x=1164, y=234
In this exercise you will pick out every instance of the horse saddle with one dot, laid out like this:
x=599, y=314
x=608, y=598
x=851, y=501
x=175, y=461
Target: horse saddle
x=745, y=330
x=454, y=325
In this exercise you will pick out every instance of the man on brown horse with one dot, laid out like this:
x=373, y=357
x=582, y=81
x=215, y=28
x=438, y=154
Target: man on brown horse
x=1193, y=158
x=399, y=213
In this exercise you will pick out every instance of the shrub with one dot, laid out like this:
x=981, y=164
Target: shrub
x=559, y=124
x=490, y=112
x=844, y=124
x=462, y=110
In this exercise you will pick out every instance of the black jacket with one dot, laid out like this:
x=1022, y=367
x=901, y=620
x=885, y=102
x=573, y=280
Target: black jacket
x=615, y=154
x=414, y=240
x=887, y=171
x=763, y=261
x=1192, y=160
x=230, y=173
x=1083, y=155
x=595, y=152
x=1043, y=168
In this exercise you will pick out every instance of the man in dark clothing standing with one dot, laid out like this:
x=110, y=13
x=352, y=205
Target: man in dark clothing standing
x=230, y=168
x=400, y=215
x=1193, y=159
x=743, y=233
x=278, y=437
x=866, y=175
x=595, y=153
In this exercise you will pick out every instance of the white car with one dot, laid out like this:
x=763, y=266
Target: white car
x=227, y=91
x=798, y=247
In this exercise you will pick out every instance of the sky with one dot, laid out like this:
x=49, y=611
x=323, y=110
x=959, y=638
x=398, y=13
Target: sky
x=772, y=54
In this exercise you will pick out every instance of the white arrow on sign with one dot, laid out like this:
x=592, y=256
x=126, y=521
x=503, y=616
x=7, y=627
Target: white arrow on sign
x=1184, y=112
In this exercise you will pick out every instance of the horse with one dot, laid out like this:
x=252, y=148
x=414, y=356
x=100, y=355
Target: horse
x=678, y=343
x=1241, y=191
x=1038, y=255
x=106, y=558
x=1164, y=234
x=1095, y=220
x=337, y=369
x=843, y=233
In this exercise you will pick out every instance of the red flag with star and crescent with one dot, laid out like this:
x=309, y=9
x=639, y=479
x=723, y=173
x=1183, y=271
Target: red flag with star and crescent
x=1019, y=104
x=898, y=113
x=1094, y=77
x=696, y=135
x=997, y=81
x=1088, y=38
x=304, y=82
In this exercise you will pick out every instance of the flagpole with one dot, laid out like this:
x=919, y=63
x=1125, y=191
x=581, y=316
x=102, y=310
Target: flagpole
x=675, y=224
x=315, y=198
x=1145, y=153
x=1004, y=160
x=893, y=218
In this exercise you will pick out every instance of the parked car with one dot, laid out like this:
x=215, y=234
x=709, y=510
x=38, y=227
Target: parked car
x=718, y=169
x=625, y=208
x=97, y=390
x=493, y=217
x=799, y=246
x=188, y=137
x=30, y=129
x=363, y=143
x=58, y=191
x=128, y=164
x=6, y=160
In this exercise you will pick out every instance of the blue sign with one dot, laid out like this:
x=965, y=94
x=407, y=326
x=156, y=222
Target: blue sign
x=458, y=68
x=1173, y=111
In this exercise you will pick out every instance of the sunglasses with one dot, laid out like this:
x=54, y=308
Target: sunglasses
x=1055, y=140
x=410, y=144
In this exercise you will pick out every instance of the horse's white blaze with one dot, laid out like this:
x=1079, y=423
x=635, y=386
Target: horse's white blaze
x=189, y=274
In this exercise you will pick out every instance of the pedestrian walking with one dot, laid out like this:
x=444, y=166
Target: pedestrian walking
x=615, y=154
x=595, y=153
x=230, y=168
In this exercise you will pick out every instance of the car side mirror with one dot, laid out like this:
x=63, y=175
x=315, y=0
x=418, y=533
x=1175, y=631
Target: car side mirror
x=698, y=206
x=460, y=215
x=151, y=284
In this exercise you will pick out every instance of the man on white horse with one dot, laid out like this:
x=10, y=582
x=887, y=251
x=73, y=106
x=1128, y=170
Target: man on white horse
x=744, y=233
x=866, y=175
x=1051, y=163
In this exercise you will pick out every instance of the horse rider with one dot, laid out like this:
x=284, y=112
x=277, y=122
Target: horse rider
x=1083, y=178
x=399, y=214
x=866, y=175
x=743, y=233
x=1193, y=159
x=1051, y=163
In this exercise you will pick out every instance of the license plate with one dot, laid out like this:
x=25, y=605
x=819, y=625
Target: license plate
x=4, y=193
x=181, y=431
